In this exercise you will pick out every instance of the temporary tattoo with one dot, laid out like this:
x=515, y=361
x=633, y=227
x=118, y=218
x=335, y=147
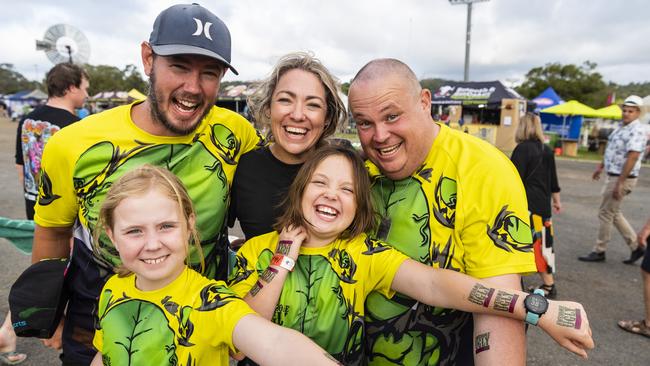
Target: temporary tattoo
x=505, y=301
x=568, y=317
x=481, y=295
x=258, y=286
x=284, y=246
x=482, y=343
x=268, y=274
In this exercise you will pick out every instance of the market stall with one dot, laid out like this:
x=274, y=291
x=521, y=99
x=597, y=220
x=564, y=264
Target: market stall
x=488, y=110
x=568, y=123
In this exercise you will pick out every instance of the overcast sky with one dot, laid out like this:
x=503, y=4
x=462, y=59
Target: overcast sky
x=509, y=37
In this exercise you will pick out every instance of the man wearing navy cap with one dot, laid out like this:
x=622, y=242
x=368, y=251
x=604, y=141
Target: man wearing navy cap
x=177, y=127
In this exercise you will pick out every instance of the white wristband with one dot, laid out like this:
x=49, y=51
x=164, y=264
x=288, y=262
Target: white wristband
x=283, y=261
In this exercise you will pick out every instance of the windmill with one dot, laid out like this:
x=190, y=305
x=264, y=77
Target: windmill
x=64, y=43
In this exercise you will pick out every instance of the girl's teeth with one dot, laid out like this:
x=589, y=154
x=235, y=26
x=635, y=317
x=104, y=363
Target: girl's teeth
x=154, y=261
x=326, y=210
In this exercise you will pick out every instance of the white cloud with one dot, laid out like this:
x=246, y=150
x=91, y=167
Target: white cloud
x=509, y=36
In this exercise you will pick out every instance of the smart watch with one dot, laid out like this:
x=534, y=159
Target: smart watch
x=536, y=305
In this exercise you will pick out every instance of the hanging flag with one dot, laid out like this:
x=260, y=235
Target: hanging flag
x=611, y=98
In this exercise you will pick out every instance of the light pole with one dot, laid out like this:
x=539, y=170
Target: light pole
x=469, y=30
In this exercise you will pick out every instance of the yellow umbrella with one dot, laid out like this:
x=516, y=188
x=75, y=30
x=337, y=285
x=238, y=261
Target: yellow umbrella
x=136, y=94
x=610, y=112
x=571, y=108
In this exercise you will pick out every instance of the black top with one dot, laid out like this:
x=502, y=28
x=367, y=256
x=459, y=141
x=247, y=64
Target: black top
x=536, y=165
x=261, y=183
x=50, y=116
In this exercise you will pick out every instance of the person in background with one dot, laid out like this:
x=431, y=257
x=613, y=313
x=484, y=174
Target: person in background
x=67, y=90
x=83, y=112
x=301, y=104
x=536, y=165
x=622, y=163
x=642, y=327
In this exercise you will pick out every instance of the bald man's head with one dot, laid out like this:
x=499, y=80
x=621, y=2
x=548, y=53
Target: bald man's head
x=393, y=117
x=383, y=67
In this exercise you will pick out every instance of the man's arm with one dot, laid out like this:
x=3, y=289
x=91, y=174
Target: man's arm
x=599, y=169
x=21, y=174
x=506, y=337
x=51, y=242
x=632, y=157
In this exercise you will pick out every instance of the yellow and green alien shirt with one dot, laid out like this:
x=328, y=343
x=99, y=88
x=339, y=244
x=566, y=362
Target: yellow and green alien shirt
x=82, y=161
x=324, y=295
x=188, y=322
x=464, y=209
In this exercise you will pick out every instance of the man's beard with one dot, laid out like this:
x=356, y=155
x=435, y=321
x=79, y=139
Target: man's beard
x=158, y=116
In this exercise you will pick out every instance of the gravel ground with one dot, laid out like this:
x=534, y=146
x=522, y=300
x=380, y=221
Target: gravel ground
x=609, y=291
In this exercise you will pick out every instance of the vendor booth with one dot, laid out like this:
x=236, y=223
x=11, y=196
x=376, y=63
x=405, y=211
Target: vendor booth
x=567, y=123
x=546, y=99
x=22, y=102
x=488, y=110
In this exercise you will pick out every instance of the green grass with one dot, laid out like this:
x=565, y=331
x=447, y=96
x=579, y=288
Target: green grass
x=584, y=154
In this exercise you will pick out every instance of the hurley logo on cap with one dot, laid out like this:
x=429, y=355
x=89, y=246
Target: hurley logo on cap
x=191, y=29
x=200, y=28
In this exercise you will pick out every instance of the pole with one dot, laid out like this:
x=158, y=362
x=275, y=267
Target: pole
x=468, y=40
x=69, y=53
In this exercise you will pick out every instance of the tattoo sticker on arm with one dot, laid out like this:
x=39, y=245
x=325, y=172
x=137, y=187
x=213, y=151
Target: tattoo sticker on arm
x=482, y=343
x=269, y=274
x=505, y=301
x=258, y=286
x=481, y=295
x=284, y=246
x=568, y=317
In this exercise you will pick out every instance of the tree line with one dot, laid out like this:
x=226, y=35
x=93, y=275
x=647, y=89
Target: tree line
x=102, y=78
x=580, y=82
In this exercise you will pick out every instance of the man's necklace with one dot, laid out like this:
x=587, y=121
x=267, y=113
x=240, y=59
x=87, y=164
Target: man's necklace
x=386, y=222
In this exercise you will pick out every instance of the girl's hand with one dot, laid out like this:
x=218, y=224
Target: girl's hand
x=291, y=238
x=566, y=322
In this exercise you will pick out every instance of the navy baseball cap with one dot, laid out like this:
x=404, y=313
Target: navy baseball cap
x=191, y=29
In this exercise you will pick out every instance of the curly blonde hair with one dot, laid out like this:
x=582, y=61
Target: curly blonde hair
x=260, y=101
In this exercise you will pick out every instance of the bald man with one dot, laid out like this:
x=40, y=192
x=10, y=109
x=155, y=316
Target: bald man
x=448, y=200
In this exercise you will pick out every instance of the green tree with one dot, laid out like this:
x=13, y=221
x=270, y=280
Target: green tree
x=433, y=84
x=104, y=78
x=581, y=83
x=11, y=81
x=133, y=79
x=640, y=89
x=345, y=88
x=111, y=78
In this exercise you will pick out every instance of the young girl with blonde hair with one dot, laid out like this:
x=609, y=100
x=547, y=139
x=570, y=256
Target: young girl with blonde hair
x=158, y=311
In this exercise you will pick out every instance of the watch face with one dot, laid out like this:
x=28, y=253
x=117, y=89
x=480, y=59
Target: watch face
x=536, y=304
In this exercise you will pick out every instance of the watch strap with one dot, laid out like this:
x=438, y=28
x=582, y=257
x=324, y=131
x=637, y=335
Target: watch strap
x=283, y=261
x=532, y=318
